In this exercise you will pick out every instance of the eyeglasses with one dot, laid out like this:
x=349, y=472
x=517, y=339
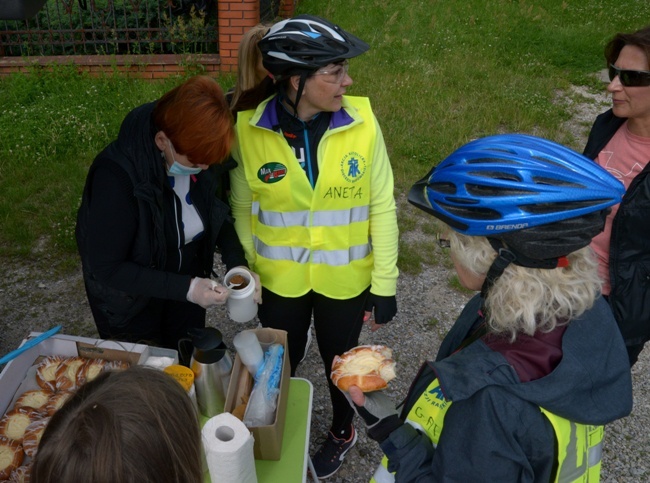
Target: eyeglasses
x=336, y=74
x=443, y=241
x=630, y=78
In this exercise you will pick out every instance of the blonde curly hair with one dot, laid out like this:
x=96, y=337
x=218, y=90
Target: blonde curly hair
x=525, y=300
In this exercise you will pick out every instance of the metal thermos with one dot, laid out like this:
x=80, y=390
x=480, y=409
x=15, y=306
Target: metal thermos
x=212, y=367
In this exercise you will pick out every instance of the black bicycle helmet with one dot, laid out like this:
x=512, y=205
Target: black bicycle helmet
x=306, y=43
x=536, y=201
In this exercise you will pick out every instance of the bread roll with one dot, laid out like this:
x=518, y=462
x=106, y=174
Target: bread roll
x=32, y=437
x=11, y=457
x=90, y=370
x=116, y=366
x=369, y=367
x=66, y=374
x=37, y=399
x=57, y=400
x=22, y=474
x=46, y=372
x=14, y=423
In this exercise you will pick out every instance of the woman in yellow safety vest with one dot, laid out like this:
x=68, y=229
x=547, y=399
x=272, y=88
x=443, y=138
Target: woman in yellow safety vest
x=535, y=365
x=312, y=198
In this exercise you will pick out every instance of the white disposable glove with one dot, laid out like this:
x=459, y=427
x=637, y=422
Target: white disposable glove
x=206, y=292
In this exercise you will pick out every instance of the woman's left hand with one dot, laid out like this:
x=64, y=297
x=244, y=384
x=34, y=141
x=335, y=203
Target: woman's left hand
x=257, y=296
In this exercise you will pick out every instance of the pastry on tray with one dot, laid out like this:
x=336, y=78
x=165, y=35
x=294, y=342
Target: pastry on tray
x=14, y=423
x=33, y=434
x=21, y=474
x=11, y=457
x=66, y=374
x=57, y=400
x=46, y=372
x=90, y=370
x=37, y=399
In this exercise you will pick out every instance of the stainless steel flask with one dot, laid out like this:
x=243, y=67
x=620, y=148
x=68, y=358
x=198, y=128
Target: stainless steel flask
x=212, y=366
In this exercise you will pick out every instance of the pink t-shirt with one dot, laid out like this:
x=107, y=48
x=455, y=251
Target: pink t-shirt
x=624, y=156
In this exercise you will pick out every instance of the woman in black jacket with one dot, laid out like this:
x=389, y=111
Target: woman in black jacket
x=620, y=142
x=152, y=212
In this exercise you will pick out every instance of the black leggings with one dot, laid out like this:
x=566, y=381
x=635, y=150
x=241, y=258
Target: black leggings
x=338, y=325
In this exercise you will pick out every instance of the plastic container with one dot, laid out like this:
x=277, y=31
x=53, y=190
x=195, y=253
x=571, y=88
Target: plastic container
x=240, y=303
x=185, y=377
x=249, y=350
x=267, y=337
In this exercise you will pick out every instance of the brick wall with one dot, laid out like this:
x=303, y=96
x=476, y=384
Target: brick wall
x=235, y=17
x=141, y=66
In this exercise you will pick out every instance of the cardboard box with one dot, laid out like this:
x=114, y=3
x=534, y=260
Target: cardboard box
x=18, y=374
x=268, y=439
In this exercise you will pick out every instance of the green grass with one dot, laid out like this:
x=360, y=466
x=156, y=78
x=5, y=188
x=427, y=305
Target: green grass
x=52, y=124
x=438, y=73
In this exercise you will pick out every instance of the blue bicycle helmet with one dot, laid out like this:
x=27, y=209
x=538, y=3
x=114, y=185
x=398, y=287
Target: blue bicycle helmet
x=541, y=199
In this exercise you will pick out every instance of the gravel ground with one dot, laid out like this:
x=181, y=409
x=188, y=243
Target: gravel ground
x=34, y=298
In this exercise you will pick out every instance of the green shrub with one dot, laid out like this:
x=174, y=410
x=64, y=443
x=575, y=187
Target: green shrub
x=111, y=27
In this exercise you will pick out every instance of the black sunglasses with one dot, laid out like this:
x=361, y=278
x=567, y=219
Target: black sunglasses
x=630, y=78
x=443, y=241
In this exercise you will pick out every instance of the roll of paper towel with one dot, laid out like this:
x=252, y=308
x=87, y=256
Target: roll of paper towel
x=228, y=446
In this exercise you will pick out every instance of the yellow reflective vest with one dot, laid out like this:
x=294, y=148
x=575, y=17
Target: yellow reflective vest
x=579, y=446
x=336, y=238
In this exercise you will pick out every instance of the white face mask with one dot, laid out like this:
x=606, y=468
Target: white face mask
x=178, y=169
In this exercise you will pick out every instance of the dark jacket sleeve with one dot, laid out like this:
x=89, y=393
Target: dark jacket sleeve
x=484, y=439
x=112, y=226
x=228, y=244
x=232, y=253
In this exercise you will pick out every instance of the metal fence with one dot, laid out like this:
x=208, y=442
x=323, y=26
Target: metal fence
x=79, y=27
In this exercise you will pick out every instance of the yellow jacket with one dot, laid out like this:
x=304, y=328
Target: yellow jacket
x=336, y=238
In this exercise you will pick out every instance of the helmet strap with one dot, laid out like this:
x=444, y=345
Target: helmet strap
x=504, y=258
x=525, y=261
x=507, y=255
x=301, y=87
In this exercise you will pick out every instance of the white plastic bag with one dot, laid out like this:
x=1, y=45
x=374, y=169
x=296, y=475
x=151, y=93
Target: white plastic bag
x=260, y=410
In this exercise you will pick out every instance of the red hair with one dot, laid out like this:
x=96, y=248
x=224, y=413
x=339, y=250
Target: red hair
x=196, y=118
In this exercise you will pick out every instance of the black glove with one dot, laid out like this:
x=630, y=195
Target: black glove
x=379, y=414
x=385, y=307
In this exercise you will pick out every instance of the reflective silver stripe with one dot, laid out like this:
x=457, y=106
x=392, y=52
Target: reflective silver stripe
x=382, y=475
x=569, y=469
x=595, y=454
x=302, y=254
x=341, y=217
x=284, y=219
x=341, y=257
x=295, y=254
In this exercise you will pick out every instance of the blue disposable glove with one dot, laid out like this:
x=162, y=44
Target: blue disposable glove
x=385, y=307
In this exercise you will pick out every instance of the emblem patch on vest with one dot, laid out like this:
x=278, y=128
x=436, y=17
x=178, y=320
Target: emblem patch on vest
x=353, y=167
x=272, y=172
